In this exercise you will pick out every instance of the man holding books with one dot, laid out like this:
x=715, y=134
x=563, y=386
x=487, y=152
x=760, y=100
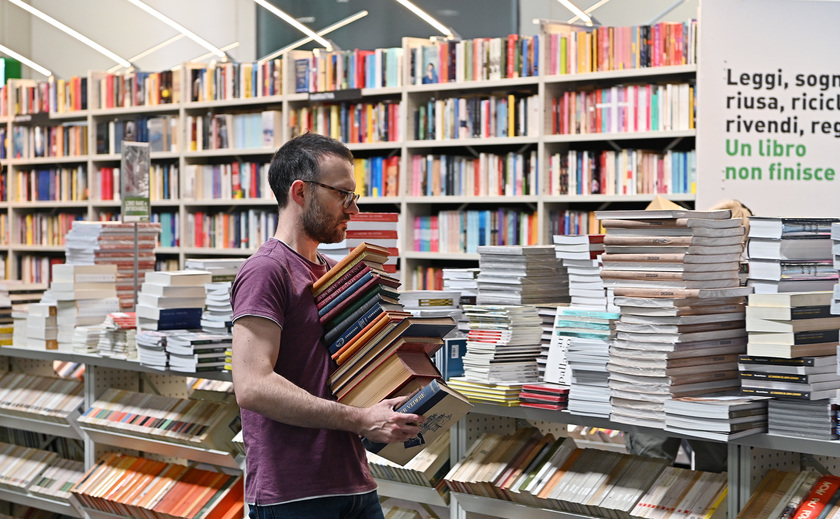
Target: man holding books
x=304, y=455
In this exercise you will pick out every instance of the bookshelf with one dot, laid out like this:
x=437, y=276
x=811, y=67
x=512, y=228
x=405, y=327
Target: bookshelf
x=211, y=97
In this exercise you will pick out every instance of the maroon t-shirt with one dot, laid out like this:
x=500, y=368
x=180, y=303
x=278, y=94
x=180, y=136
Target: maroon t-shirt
x=285, y=462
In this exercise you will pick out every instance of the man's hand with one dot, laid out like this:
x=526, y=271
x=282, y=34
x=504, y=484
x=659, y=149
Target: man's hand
x=382, y=424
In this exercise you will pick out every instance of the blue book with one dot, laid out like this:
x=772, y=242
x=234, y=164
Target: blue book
x=449, y=359
x=302, y=75
x=536, y=63
x=338, y=336
x=176, y=318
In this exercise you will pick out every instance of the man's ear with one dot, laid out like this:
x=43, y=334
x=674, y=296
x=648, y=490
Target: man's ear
x=298, y=192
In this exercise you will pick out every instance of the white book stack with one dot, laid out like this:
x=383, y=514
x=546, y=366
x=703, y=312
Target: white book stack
x=221, y=269
x=84, y=295
x=816, y=419
x=520, y=275
x=218, y=311
x=151, y=347
x=117, y=339
x=19, y=328
x=791, y=254
x=172, y=300
x=503, y=344
x=86, y=338
x=462, y=280
x=41, y=327
x=432, y=303
x=198, y=352
x=547, y=314
x=115, y=243
x=372, y=227
x=580, y=254
x=720, y=417
x=588, y=336
x=675, y=276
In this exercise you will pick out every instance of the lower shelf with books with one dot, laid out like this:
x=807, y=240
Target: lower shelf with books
x=42, y=503
x=68, y=430
x=507, y=510
x=416, y=493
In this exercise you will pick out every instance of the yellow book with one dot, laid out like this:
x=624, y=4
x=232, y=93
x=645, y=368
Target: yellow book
x=511, y=109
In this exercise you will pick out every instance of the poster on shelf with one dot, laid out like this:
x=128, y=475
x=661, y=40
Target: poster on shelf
x=768, y=124
x=134, y=187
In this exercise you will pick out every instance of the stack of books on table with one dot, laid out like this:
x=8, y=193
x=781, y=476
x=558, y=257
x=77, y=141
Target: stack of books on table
x=720, y=417
x=520, y=275
x=792, y=324
x=548, y=313
x=115, y=243
x=544, y=395
x=377, y=228
x=816, y=419
x=197, y=352
x=117, y=339
x=220, y=269
x=585, y=336
x=41, y=327
x=580, y=254
x=218, y=312
x=464, y=281
x=84, y=295
x=503, y=344
x=151, y=347
x=214, y=494
x=387, y=354
x=86, y=337
x=791, y=255
x=678, y=291
x=172, y=300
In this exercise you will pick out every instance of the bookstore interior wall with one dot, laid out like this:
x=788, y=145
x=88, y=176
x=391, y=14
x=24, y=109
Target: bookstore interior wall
x=517, y=137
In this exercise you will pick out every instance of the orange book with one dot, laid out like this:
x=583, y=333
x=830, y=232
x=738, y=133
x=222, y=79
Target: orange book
x=399, y=370
x=364, y=251
x=179, y=492
x=127, y=481
x=93, y=476
x=360, y=338
x=149, y=473
x=230, y=503
x=110, y=477
x=555, y=478
x=206, y=495
x=160, y=486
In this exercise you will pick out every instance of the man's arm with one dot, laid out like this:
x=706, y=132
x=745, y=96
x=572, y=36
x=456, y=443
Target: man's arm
x=256, y=344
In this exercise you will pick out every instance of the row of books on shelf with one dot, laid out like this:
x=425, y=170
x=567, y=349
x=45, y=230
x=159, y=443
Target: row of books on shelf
x=625, y=172
x=574, y=49
x=465, y=231
x=489, y=174
x=226, y=80
x=348, y=122
x=624, y=109
x=234, y=131
x=69, y=139
x=44, y=229
x=45, y=398
x=477, y=59
x=67, y=184
x=161, y=132
x=377, y=176
x=133, y=88
x=326, y=71
x=478, y=116
x=227, y=230
x=233, y=180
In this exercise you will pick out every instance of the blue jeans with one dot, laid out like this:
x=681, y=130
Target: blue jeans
x=360, y=506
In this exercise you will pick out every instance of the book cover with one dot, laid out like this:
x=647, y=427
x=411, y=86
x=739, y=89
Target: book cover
x=440, y=405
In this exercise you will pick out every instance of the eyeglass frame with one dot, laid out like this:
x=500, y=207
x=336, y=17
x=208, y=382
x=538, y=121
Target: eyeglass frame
x=349, y=196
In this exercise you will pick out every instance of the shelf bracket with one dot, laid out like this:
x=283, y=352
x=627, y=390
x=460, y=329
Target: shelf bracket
x=148, y=383
x=524, y=148
x=472, y=151
x=613, y=145
x=809, y=461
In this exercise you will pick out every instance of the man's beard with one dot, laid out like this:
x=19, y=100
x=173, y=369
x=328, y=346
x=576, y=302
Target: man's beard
x=320, y=226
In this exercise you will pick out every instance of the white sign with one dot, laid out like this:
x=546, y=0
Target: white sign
x=768, y=122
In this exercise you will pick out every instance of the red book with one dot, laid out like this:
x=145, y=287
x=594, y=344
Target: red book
x=352, y=275
x=373, y=234
x=361, y=293
x=818, y=498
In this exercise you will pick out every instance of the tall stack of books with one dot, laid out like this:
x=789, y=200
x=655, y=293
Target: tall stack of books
x=580, y=254
x=679, y=295
x=385, y=352
x=520, y=275
x=15, y=298
x=378, y=228
x=791, y=254
x=113, y=243
x=172, y=300
x=84, y=295
x=218, y=312
x=589, y=335
x=462, y=280
x=548, y=313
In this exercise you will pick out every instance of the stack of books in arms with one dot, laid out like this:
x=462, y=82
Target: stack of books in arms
x=382, y=351
x=720, y=417
x=793, y=325
x=791, y=254
x=586, y=336
x=675, y=275
x=519, y=275
x=580, y=254
x=172, y=300
x=129, y=486
x=113, y=243
x=84, y=295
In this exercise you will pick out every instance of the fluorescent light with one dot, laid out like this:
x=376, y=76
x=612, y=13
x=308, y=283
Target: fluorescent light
x=577, y=11
x=294, y=23
x=180, y=28
x=75, y=34
x=149, y=51
x=26, y=61
x=446, y=31
x=326, y=30
x=589, y=10
x=210, y=54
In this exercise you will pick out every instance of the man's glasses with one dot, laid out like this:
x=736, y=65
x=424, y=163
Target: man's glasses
x=349, y=196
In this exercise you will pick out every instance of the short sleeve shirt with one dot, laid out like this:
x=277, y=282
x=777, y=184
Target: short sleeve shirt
x=285, y=462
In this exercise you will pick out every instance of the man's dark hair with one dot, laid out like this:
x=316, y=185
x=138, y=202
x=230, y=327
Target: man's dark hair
x=299, y=159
